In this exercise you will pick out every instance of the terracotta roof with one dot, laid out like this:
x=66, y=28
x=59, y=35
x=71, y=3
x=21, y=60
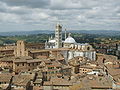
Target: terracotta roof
x=90, y=67
x=24, y=57
x=7, y=59
x=38, y=81
x=47, y=61
x=37, y=51
x=114, y=72
x=47, y=50
x=57, y=82
x=7, y=50
x=5, y=77
x=37, y=87
x=34, y=60
x=96, y=82
x=22, y=80
x=77, y=61
x=27, y=60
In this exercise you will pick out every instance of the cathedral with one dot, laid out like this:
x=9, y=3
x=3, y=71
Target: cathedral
x=74, y=49
x=57, y=41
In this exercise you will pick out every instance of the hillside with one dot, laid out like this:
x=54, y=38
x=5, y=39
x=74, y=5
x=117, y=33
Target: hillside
x=98, y=32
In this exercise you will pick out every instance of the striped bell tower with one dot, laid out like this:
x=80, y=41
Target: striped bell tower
x=58, y=36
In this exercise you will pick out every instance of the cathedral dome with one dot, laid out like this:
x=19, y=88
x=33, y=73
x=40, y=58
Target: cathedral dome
x=51, y=41
x=70, y=40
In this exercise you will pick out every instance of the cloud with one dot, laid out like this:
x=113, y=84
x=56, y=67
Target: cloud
x=74, y=14
x=69, y=4
x=28, y=3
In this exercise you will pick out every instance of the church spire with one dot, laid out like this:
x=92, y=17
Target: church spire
x=49, y=38
x=69, y=35
x=65, y=33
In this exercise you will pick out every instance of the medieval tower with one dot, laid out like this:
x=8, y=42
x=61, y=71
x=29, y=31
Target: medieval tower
x=58, y=36
x=20, y=48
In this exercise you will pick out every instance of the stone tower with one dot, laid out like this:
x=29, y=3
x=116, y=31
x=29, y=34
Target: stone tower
x=58, y=36
x=20, y=48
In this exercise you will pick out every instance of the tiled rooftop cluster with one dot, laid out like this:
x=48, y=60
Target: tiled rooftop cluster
x=47, y=69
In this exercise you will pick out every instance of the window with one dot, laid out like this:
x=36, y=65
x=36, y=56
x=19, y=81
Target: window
x=17, y=64
x=41, y=54
x=88, y=48
x=22, y=64
x=35, y=63
x=20, y=52
x=29, y=64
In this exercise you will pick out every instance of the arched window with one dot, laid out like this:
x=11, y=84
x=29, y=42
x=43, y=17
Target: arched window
x=88, y=48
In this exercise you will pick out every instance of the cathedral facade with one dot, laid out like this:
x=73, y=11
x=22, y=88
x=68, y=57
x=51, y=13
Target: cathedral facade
x=74, y=49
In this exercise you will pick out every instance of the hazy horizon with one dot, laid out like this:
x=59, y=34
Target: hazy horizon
x=51, y=30
x=32, y=15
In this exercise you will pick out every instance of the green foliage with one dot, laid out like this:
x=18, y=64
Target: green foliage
x=41, y=38
x=30, y=38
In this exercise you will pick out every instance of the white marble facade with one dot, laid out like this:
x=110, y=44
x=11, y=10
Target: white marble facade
x=75, y=49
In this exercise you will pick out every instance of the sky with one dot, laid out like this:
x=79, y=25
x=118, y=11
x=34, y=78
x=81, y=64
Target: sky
x=27, y=15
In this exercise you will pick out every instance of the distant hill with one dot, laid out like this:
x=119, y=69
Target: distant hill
x=98, y=32
x=25, y=32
